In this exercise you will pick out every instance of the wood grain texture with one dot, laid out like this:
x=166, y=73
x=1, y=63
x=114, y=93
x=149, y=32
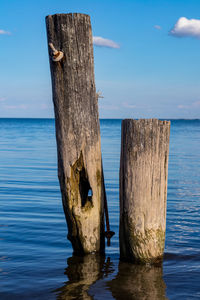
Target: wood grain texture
x=77, y=130
x=143, y=189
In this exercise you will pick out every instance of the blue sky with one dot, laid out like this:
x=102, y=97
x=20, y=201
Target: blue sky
x=151, y=74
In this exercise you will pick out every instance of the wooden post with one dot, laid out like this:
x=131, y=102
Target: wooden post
x=143, y=189
x=77, y=129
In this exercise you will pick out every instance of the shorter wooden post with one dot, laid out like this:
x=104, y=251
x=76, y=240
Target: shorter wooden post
x=143, y=189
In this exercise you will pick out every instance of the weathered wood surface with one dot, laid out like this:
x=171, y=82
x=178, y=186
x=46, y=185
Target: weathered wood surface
x=143, y=189
x=77, y=130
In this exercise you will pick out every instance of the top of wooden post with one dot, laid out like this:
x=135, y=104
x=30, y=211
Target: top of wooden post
x=73, y=15
x=146, y=121
x=69, y=18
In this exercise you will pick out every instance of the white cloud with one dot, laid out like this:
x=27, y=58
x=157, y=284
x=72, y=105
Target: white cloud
x=157, y=27
x=21, y=106
x=43, y=106
x=186, y=28
x=101, y=42
x=109, y=107
x=183, y=106
x=4, y=32
x=128, y=105
x=2, y=99
x=195, y=104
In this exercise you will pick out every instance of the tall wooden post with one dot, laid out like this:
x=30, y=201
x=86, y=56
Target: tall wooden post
x=143, y=189
x=77, y=129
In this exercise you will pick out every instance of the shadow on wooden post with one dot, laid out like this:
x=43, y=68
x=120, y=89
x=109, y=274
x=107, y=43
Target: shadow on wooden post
x=77, y=129
x=143, y=189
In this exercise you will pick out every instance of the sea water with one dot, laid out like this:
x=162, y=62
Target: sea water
x=36, y=260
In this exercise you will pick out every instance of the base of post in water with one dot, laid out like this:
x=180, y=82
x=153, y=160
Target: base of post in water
x=147, y=248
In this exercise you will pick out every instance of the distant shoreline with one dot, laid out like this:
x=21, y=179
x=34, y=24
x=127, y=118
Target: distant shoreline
x=112, y=119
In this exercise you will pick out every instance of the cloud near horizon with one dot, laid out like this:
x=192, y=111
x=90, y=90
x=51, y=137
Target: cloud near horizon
x=4, y=32
x=102, y=42
x=195, y=104
x=186, y=28
x=128, y=105
x=42, y=106
x=21, y=106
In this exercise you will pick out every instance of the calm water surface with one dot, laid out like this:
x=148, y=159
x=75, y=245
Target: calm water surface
x=36, y=259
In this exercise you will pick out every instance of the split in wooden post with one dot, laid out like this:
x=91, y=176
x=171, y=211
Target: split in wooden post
x=77, y=130
x=143, y=189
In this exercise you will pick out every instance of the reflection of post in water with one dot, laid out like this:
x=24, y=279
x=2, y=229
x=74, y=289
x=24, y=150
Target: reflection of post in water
x=138, y=282
x=82, y=272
